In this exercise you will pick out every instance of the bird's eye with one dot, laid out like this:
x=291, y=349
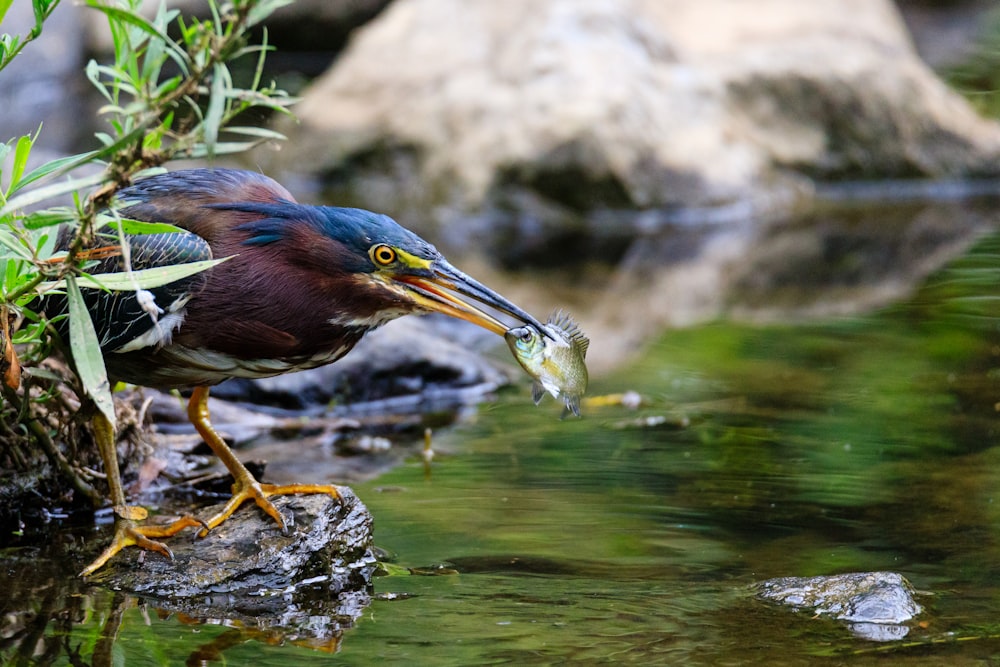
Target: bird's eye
x=382, y=254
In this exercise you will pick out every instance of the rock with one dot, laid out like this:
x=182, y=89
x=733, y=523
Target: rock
x=40, y=584
x=875, y=604
x=246, y=565
x=572, y=126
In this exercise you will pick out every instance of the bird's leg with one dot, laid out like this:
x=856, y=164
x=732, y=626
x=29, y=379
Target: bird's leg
x=245, y=486
x=127, y=532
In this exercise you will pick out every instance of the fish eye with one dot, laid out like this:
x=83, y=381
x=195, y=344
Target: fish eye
x=382, y=254
x=526, y=335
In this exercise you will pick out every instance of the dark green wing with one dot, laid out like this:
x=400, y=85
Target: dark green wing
x=119, y=317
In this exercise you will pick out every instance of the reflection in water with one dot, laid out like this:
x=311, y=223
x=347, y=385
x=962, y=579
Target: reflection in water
x=844, y=258
x=104, y=647
x=48, y=616
x=841, y=261
x=38, y=609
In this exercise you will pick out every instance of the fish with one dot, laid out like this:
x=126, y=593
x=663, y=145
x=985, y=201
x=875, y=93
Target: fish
x=555, y=358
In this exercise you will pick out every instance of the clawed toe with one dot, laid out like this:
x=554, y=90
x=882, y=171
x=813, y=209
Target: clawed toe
x=129, y=534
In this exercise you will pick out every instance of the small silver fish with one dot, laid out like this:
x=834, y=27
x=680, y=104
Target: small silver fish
x=555, y=358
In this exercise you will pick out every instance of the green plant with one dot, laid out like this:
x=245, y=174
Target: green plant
x=165, y=98
x=11, y=45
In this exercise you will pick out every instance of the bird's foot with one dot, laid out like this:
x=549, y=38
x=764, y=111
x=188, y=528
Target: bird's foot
x=251, y=489
x=129, y=534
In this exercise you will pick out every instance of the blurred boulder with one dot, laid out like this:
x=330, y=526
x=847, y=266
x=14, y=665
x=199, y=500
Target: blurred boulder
x=550, y=129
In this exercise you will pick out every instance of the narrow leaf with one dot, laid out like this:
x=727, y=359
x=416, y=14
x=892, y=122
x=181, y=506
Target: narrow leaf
x=216, y=106
x=261, y=132
x=135, y=134
x=48, y=217
x=142, y=279
x=12, y=247
x=21, y=153
x=87, y=352
x=93, y=72
x=49, y=191
x=261, y=10
x=153, y=61
x=133, y=19
x=62, y=164
x=223, y=148
x=258, y=73
x=42, y=10
x=140, y=227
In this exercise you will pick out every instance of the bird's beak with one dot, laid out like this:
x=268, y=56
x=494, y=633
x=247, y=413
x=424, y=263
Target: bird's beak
x=440, y=288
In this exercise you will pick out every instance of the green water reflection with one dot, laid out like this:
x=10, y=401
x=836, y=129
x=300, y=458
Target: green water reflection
x=857, y=444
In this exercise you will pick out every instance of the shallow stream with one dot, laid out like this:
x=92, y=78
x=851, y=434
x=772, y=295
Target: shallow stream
x=836, y=443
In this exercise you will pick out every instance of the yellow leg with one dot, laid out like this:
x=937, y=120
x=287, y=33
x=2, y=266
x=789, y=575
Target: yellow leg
x=127, y=532
x=245, y=486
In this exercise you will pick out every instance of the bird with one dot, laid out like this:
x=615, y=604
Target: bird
x=300, y=286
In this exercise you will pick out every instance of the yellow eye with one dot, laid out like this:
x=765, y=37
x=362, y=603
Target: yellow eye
x=382, y=254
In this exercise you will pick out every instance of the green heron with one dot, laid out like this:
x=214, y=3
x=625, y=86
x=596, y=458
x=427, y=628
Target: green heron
x=302, y=286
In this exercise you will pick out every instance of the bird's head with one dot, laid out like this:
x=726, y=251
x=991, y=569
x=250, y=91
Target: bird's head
x=388, y=269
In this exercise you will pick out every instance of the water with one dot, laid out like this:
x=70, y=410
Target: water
x=845, y=444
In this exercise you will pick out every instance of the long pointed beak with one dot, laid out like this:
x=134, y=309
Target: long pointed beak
x=440, y=289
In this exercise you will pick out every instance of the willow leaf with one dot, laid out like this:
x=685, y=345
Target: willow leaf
x=49, y=217
x=140, y=227
x=216, y=106
x=21, y=154
x=15, y=248
x=125, y=16
x=61, y=164
x=261, y=132
x=142, y=279
x=87, y=352
x=49, y=191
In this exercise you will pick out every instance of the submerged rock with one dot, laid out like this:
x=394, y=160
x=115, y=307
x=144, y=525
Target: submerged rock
x=247, y=566
x=875, y=604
